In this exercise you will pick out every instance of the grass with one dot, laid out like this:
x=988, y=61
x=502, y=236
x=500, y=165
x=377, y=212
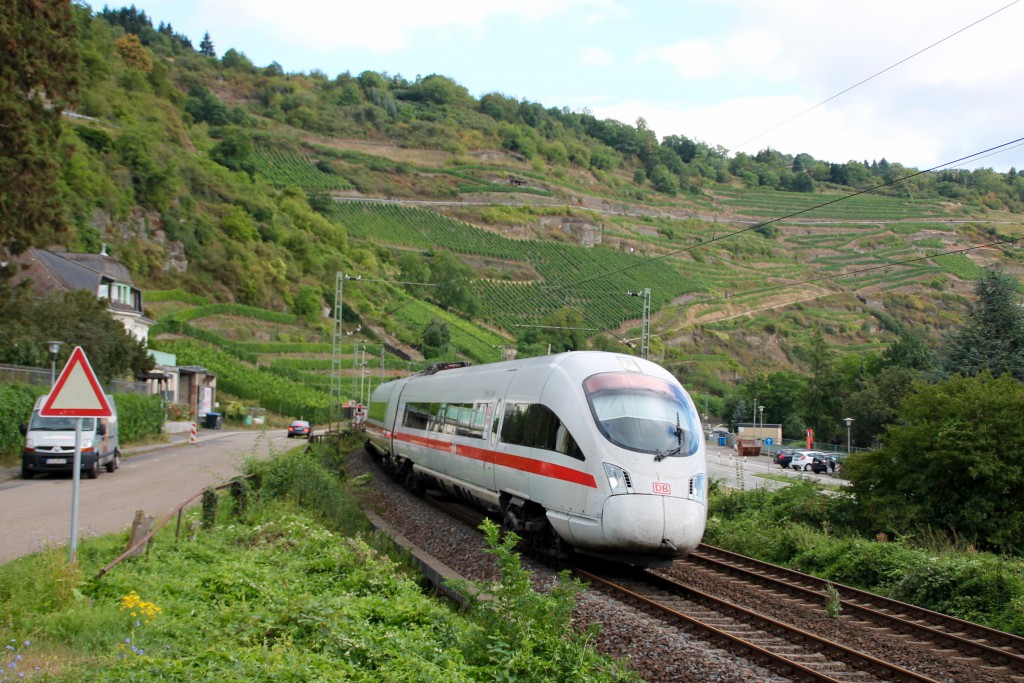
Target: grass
x=284, y=582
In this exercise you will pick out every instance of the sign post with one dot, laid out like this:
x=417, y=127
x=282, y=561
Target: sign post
x=77, y=394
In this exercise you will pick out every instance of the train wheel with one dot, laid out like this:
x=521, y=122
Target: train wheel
x=412, y=481
x=510, y=523
x=512, y=517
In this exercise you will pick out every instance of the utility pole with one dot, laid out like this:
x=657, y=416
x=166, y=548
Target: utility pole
x=334, y=413
x=645, y=323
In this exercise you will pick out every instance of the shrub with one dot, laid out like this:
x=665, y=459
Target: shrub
x=527, y=634
x=16, y=401
x=139, y=417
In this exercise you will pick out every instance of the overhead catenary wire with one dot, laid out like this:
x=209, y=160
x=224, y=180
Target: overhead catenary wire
x=717, y=238
x=552, y=290
x=762, y=290
x=981, y=154
x=873, y=76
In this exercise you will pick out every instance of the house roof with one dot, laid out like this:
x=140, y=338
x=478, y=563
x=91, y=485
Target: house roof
x=195, y=370
x=55, y=271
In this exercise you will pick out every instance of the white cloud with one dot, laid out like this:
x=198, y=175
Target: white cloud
x=830, y=134
x=770, y=62
x=595, y=56
x=386, y=26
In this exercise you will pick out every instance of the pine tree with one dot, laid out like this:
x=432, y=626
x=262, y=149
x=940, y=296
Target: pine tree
x=206, y=46
x=992, y=336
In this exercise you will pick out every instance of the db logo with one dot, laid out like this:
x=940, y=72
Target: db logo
x=662, y=489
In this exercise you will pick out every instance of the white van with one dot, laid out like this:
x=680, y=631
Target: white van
x=50, y=443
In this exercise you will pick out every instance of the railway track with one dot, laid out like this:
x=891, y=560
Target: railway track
x=956, y=650
x=783, y=648
x=996, y=654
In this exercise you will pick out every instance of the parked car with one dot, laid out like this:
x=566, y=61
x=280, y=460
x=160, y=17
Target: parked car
x=828, y=463
x=50, y=443
x=783, y=456
x=808, y=460
x=299, y=428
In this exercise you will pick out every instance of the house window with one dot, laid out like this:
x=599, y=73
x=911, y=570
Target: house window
x=121, y=294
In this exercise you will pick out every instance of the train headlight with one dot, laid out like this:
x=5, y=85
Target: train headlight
x=618, y=479
x=697, y=488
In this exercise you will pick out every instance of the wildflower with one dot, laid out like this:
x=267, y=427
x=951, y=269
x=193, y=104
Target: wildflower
x=136, y=606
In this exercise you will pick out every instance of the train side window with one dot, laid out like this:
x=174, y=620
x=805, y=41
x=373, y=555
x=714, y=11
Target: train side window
x=448, y=418
x=535, y=425
x=478, y=423
x=545, y=430
x=513, y=430
x=564, y=443
x=433, y=425
x=541, y=427
x=495, y=421
x=467, y=419
x=378, y=411
x=417, y=415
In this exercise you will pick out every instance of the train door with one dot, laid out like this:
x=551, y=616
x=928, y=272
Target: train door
x=491, y=439
x=515, y=463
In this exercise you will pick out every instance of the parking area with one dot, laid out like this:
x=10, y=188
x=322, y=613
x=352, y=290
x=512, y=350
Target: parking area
x=724, y=462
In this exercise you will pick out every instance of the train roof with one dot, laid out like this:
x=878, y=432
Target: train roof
x=602, y=361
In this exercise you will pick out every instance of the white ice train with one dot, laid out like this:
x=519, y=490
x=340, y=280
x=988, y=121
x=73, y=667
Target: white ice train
x=601, y=453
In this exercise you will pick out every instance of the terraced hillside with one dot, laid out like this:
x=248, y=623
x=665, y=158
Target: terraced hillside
x=282, y=362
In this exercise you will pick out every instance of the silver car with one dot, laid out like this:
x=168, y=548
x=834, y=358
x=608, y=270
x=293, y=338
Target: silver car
x=804, y=460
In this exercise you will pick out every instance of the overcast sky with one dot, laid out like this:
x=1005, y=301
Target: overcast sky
x=725, y=72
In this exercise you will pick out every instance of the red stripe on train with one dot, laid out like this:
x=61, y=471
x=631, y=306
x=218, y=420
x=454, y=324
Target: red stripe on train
x=515, y=462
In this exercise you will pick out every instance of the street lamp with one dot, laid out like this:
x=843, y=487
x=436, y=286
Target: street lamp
x=54, y=347
x=849, y=421
x=760, y=408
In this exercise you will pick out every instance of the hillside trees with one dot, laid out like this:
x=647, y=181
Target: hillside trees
x=38, y=80
x=562, y=330
x=876, y=401
x=909, y=351
x=946, y=465
x=414, y=272
x=441, y=278
x=78, y=319
x=781, y=395
x=206, y=46
x=455, y=284
x=992, y=336
x=822, y=397
x=436, y=338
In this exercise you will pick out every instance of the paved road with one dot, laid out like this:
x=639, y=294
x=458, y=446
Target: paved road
x=736, y=471
x=155, y=479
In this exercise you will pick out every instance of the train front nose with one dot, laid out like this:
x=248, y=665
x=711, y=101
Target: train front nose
x=662, y=525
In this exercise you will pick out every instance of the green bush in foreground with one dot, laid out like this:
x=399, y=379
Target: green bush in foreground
x=276, y=591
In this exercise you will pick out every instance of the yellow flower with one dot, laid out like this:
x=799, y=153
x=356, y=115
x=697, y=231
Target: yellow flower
x=137, y=605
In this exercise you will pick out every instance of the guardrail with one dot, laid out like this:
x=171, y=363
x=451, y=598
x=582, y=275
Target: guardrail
x=177, y=512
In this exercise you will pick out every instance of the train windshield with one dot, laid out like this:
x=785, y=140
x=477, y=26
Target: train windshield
x=643, y=413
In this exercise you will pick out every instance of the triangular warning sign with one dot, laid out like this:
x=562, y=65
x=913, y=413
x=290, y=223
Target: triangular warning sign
x=76, y=393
